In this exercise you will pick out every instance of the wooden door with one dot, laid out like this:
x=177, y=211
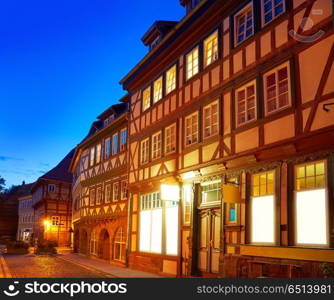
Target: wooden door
x=209, y=240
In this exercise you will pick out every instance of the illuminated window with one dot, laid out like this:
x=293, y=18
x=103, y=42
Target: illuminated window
x=55, y=221
x=115, y=144
x=311, y=204
x=146, y=98
x=187, y=201
x=92, y=156
x=107, y=148
x=107, y=193
x=191, y=129
x=211, y=49
x=124, y=133
x=277, y=88
x=98, y=153
x=98, y=195
x=192, y=61
x=156, y=145
x=119, y=245
x=272, y=9
x=263, y=208
x=115, y=192
x=171, y=226
x=170, y=139
x=157, y=90
x=210, y=118
x=246, y=103
x=92, y=197
x=211, y=192
x=124, y=189
x=144, y=151
x=244, y=24
x=93, y=243
x=171, y=79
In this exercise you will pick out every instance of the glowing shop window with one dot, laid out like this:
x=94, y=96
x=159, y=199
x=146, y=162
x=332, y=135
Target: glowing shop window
x=172, y=221
x=311, y=217
x=262, y=219
x=156, y=232
x=145, y=230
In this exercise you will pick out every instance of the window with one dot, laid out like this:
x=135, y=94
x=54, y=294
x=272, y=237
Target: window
x=170, y=139
x=115, y=192
x=271, y=9
x=98, y=153
x=192, y=61
x=144, y=151
x=246, y=103
x=311, y=204
x=123, y=139
x=119, y=245
x=157, y=90
x=263, y=208
x=232, y=210
x=187, y=200
x=211, y=192
x=210, y=118
x=107, y=193
x=98, y=195
x=146, y=98
x=192, y=129
x=93, y=242
x=156, y=145
x=115, y=144
x=276, y=89
x=244, y=24
x=52, y=188
x=171, y=79
x=92, y=156
x=107, y=148
x=55, y=221
x=92, y=197
x=124, y=189
x=211, y=49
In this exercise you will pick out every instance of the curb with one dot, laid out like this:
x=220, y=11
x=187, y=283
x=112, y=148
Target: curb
x=4, y=270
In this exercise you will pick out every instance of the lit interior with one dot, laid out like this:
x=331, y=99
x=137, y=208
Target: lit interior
x=170, y=192
x=172, y=230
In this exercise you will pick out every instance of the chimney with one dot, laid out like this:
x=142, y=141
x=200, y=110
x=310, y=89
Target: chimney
x=189, y=4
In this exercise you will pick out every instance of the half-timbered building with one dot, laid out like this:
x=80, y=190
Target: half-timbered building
x=231, y=148
x=100, y=188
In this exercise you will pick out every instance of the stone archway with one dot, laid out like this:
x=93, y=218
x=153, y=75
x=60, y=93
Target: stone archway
x=83, y=242
x=104, y=245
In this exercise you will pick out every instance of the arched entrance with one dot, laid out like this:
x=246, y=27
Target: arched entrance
x=83, y=241
x=104, y=245
x=76, y=241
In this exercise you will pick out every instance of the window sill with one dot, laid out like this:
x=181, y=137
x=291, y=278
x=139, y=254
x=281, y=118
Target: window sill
x=298, y=253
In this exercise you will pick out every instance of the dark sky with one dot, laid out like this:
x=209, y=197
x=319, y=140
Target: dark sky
x=60, y=66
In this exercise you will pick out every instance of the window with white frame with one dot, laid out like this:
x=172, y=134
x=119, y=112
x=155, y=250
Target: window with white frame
x=146, y=98
x=124, y=189
x=210, y=119
x=192, y=63
x=115, y=144
x=271, y=9
x=55, y=221
x=92, y=196
x=311, y=204
x=156, y=145
x=157, y=89
x=243, y=24
x=277, y=88
x=107, y=148
x=211, y=192
x=124, y=133
x=246, y=103
x=107, y=193
x=191, y=129
x=115, y=192
x=211, y=49
x=144, y=151
x=52, y=188
x=170, y=139
x=92, y=156
x=98, y=153
x=171, y=79
x=263, y=216
x=98, y=195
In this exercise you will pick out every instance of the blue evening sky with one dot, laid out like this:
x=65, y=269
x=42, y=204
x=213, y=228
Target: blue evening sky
x=60, y=66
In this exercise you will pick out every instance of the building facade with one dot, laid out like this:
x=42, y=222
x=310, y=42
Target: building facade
x=52, y=204
x=100, y=206
x=231, y=149
x=25, y=218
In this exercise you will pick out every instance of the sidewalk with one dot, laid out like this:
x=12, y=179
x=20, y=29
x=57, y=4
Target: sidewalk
x=4, y=271
x=112, y=270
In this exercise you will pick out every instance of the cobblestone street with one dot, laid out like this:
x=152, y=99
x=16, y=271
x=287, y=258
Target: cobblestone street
x=31, y=266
